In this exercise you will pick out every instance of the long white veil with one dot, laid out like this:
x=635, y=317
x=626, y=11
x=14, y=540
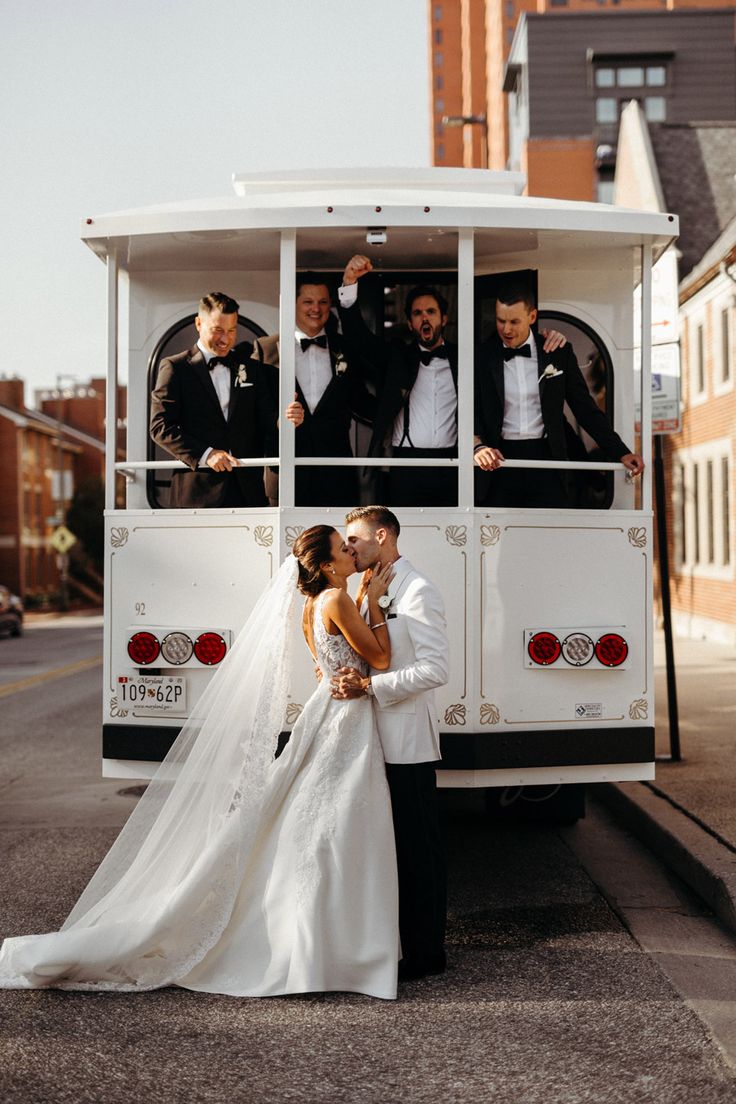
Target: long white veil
x=165, y=890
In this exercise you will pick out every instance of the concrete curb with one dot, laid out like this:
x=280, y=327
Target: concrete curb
x=693, y=854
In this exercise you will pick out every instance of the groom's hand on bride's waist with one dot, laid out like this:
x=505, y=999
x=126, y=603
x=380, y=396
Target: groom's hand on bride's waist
x=347, y=682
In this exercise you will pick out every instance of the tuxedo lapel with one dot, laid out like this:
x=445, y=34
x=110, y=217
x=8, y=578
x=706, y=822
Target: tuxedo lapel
x=402, y=569
x=497, y=373
x=203, y=374
x=234, y=392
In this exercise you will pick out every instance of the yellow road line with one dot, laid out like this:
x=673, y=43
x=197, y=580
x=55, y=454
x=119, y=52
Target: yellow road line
x=49, y=676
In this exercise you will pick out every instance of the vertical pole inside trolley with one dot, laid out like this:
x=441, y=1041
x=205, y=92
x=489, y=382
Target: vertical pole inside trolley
x=287, y=362
x=111, y=395
x=645, y=377
x=465, y=333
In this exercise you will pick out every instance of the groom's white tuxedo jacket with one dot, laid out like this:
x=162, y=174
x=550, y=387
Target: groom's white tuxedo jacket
x=406, y=716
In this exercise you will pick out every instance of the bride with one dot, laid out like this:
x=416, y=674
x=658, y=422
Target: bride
x=239, y=873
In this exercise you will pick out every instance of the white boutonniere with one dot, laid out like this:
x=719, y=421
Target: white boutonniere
x=549, y=373
x=341, y=365
x=241, y=377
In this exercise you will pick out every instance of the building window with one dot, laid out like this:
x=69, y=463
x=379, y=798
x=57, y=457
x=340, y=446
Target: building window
x=709, y=508
x=655, y=109
x=682, y=514
x=440, y=151
x=696, y=513
x=726, y=345
x=439, y=105
x=725, y=511
x=438, y=11
x=438, y=58
x=606, y=109
x=700, y=359
x=439, y=83
x=438, y=36
x=627, y=80
x=703, y=526
x=630, y=76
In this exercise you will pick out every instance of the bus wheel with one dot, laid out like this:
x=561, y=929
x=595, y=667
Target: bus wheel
x=554, y=804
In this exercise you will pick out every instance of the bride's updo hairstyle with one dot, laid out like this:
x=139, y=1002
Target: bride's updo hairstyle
x=312, y=548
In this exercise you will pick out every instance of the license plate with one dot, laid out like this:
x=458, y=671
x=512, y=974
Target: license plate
x=153, y=693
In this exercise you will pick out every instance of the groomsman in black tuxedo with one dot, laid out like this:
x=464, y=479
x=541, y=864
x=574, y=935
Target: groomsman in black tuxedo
x=520, y=392
x=330, y=392
x=212, y=404
x=417, y=406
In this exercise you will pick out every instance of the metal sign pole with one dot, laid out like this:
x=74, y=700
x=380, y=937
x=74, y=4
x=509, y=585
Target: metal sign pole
x=664, y=581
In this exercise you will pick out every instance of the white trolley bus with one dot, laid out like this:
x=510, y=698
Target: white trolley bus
x=550, y=611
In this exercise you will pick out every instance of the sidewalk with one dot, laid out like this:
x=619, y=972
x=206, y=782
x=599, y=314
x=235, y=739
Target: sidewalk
x=687, y=816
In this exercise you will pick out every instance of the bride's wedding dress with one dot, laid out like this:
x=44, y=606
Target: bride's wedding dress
x=243, y=874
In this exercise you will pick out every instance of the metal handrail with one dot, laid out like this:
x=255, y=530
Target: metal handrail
x=370, y=462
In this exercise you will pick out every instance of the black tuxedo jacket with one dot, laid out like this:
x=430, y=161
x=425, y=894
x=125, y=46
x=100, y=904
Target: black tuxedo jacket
x=187, y=419
x=325, y=430
x=567, y=387
x=397, y=365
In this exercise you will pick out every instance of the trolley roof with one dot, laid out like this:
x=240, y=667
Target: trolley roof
x=421, y=209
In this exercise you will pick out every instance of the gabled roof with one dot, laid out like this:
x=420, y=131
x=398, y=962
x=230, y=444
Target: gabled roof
x=38, y=420
x=696, y=164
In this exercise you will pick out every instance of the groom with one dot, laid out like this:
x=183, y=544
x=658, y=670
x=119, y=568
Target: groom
x=406, y=719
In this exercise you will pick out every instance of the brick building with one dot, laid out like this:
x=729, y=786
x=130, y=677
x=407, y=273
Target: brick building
x=551, y=90
x=691, y=169
x=45, y=460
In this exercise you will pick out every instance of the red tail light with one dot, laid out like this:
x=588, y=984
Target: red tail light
x=210, y=648
x=544, y=648
x=143, y=648
x=611, y=650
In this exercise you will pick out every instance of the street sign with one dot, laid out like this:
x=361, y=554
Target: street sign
x=62, y=539
x=665, y=387
x=665, y=347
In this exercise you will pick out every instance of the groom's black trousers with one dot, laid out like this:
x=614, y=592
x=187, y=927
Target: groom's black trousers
x=420, y=856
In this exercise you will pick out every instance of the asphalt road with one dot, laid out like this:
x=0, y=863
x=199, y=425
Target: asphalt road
x=549, y=996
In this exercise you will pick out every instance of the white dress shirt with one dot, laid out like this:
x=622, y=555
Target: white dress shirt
x=432, y=402
x=522, y=411
x=432, y=408
x=220, y=376
x=313, y=370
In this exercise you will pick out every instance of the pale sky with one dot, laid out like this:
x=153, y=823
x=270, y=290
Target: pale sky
x=112, y=104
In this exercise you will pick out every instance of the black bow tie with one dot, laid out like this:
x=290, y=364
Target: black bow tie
x=305, y=342
x=509, y=354
x=426, y=355
x=214, y=361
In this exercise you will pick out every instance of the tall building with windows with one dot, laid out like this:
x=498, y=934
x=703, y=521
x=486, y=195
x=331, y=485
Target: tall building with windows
x=552, y=89
x=568, y=78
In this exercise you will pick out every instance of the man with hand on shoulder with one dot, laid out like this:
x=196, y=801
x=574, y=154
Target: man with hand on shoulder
x=416, y=416
x=521, y=387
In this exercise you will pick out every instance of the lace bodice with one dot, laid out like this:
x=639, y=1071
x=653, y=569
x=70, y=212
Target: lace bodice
x=332, y=651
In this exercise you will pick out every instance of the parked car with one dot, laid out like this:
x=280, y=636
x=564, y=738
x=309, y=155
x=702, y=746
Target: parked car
x=11, y=612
